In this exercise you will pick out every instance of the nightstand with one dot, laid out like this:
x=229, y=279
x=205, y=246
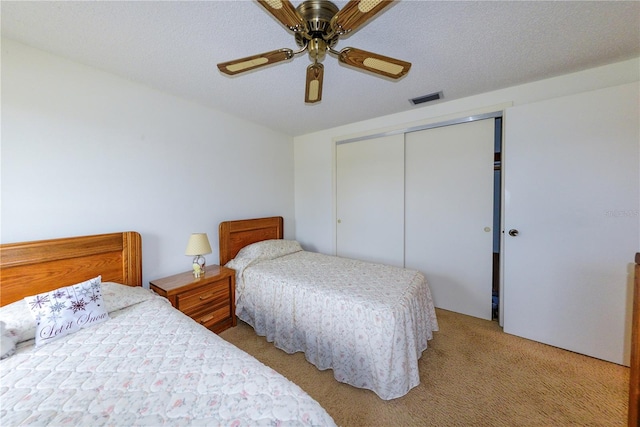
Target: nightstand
x=209, y=300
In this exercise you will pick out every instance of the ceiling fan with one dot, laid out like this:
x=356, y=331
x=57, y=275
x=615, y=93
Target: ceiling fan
x=317, y=26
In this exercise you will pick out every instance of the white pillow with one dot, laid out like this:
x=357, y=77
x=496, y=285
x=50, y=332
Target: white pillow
x=8, y=340
x=67, y=310
x=260, y=251
x=117, y=296
x=17, y=316
x=269, y=249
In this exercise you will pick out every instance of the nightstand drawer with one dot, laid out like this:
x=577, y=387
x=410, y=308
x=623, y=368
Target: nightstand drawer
x=212, y=315
x=205, y=296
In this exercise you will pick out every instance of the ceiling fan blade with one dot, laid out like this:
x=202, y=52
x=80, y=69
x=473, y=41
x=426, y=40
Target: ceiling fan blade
x=355, y=13
x=284, y=12
x=383, y=65
x=256, y=61
x=313, y=91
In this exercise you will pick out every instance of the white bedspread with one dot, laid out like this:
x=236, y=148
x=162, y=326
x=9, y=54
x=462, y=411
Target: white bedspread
x=368, y=322
x=148, y=365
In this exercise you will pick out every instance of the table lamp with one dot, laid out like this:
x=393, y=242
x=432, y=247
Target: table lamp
x=197, y=247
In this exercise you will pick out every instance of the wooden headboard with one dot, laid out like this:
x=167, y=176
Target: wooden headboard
x=31, y=268
x=235, y=235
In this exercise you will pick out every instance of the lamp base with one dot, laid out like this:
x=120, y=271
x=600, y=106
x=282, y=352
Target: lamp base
x=198, y=266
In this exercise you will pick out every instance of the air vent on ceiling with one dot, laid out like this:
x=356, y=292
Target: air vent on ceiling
x=426, y=98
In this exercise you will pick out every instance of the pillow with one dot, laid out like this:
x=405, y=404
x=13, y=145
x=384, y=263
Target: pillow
x=67, y=310
x=269, y=249
x=239, y=264
x=17, y=316
x=117, y=296
x=8, y=341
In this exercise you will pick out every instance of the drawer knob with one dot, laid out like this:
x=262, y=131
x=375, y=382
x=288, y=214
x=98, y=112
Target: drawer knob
x=205, y=319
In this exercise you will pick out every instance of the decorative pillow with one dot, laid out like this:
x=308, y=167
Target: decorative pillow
x=67, y=310
x=8, y=341
x=269, y=249
x=116, y=296
x=17, y=316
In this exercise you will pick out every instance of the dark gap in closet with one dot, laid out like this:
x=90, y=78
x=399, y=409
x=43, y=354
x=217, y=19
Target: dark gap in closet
x=497, y=191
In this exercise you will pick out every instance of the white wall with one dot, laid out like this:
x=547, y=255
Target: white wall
x=86, y=152
x=315, y=153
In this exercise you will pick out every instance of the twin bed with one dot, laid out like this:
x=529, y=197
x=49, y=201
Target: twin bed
x=367, y=322
x=148, y=364
x=144, y=363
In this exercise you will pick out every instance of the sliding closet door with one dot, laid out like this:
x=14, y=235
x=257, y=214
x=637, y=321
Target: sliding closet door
x=571, y=170
x=449, y=213
x=370, y=200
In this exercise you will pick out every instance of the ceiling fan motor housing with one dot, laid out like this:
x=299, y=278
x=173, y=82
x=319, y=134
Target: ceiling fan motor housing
x=317, y=14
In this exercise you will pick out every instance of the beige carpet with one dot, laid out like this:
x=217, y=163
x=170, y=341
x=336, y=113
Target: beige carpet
x=472, y=374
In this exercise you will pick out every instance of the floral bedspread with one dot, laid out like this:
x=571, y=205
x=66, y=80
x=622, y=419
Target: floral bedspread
x=148, y=365
x=368, y=322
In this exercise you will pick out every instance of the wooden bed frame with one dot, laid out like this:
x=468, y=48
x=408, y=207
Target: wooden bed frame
x=634, y=377
x=30, y=268
x=235, y=235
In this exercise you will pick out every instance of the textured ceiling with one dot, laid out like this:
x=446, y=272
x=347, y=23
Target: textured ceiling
x=459, y=48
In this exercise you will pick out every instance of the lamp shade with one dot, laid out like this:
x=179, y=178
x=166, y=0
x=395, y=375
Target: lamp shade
x=198, y=245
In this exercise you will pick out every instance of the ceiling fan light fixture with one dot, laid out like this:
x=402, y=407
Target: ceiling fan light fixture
x=317, y=49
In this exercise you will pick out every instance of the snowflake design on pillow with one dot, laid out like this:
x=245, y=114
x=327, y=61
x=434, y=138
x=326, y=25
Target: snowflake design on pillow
x=58, y=306
x=39, y=301
x=77, y=306
x=67, y=310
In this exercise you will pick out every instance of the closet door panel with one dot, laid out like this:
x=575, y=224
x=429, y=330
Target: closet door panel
x=370, y=200
x=449, y=213
x=571, y=171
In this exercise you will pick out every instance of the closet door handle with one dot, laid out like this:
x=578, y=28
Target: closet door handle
x=513, y=232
